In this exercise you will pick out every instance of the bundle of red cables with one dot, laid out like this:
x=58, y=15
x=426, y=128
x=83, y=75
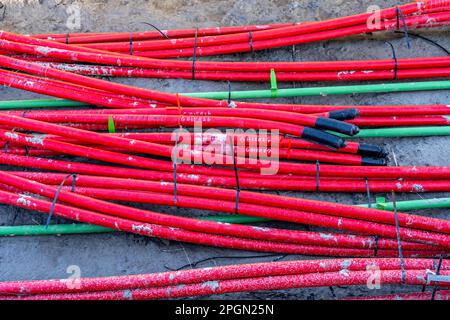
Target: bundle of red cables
x=140, y=167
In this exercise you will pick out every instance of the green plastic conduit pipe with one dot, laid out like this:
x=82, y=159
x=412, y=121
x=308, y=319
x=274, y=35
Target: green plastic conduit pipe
x=87, y=228
x=400, y=132
x=258, y=94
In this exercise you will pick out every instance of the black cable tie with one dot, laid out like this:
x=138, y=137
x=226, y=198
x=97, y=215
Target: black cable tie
x=74, y=180
x=400, y=14
x=293, y=53
x=375, y=249
x=229, y=94
x=131, y=43
x=157, y=29
x=369, y=201
x=175, y=169
x=332, y=292
x=52, y=208
x=67, y=38
x=238, y=187
x=294, y=59
x=250, y=41
x=317, y=176
x=195, y=54
x=27, y=151
x=24, y=114
x=399, y=242
x=394, y=56
x=6, y=147
x=397, y=9
x=436, y=284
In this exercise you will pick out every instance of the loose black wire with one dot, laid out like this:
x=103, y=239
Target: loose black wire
x=433, y=42
x=157, y=29
x=195, y=264
x=394, y=56
x=332, y=292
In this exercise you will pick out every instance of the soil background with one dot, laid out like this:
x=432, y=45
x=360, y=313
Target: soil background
x=112, y=254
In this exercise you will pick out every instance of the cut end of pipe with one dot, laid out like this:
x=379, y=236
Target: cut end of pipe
x=372, y=150
x=323, y=138
x=336, y=126
x=346, y=114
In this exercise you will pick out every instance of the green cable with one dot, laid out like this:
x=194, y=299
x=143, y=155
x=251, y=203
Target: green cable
x=325, y=91
x=258, y=94
x=39, y=103
x=436, y=203
x=57, y=229
x=293, y=92
x=400, y=132
x=238, y=219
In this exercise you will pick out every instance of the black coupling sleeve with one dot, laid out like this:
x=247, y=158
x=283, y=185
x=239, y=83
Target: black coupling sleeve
x=369, y=161
x=336, y=126
x=323, y=138
x=346, y=114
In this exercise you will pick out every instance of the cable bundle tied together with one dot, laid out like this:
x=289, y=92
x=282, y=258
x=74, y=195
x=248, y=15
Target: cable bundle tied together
x=227, y=279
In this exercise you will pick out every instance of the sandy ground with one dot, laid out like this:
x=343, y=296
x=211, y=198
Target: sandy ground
x=121, y=254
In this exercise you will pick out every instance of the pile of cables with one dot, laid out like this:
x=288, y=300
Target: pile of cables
x=239, y=278
x=218, y=171
x=121, y=54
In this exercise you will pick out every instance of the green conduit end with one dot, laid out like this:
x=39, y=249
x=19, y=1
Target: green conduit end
x=400, y=132
x=237, y=219
x=437, y=203
x=111, y=125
